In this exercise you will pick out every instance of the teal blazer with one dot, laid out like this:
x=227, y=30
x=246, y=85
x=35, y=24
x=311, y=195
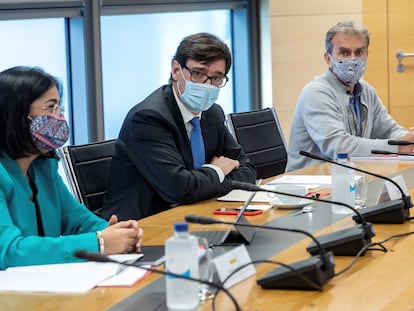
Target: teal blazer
x=68, y=224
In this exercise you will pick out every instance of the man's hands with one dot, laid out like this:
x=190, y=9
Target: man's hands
x=409, y=137
x=122, y=237
x=225, y=164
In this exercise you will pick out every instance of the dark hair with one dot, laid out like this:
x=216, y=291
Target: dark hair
x=204, y=48
x=19, y=87
x=347, y=27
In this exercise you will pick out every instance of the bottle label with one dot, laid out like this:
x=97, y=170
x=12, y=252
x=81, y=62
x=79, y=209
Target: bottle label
x=185, y=274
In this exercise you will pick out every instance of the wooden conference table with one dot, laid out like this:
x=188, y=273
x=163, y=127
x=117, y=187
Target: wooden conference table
x=378, y=280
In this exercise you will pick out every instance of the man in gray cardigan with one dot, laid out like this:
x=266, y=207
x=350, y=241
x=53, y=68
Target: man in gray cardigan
x=339, y=112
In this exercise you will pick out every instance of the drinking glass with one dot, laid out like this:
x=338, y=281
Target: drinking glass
x=361, y=190
x=205, y=269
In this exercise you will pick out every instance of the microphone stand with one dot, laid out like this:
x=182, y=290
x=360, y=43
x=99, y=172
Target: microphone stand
x=346, y=242
x=91, y=256
x=318, y=269
x=391, y=153
x=393, y=211
x=398, y=142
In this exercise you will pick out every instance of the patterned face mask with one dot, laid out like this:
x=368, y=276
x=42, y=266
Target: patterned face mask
x=49, y=132
x=349, y=70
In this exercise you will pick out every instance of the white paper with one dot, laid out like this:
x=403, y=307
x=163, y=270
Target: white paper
x=384, y=158
x=307, y=180
x=310, y=181
x=127, y=277
x=242, y=196
x=261, y=196
x=70, y=278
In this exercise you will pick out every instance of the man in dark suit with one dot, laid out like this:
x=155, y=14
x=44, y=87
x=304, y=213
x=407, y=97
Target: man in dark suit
x=156, y=166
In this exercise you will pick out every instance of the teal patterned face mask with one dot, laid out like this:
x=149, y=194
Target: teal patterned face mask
x=49, y=132
x=349, y=70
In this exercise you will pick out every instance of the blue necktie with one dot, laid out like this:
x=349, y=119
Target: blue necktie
x=197, y=144
x=355, y=102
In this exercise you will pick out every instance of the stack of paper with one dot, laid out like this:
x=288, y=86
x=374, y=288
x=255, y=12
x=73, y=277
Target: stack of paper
x=385, y=158
x=72, y=278
x=311, y=181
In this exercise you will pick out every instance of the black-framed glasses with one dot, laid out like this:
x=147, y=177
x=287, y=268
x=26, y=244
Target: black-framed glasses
x=200, y=77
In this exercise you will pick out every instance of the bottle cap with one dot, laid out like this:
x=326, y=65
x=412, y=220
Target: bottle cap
x=343, y=155
x=181, y=227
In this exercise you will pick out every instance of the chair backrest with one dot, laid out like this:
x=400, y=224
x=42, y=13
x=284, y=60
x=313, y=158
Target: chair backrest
x=87, y=168
x=260, y=135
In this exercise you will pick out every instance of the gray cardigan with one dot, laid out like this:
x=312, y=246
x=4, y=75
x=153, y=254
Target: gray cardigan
x=324, y=123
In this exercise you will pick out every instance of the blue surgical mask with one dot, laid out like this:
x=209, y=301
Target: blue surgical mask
x=349, y=70
x=199, y=96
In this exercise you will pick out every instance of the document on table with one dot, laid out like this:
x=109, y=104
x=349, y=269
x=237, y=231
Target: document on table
x=242, y=196
x=307, y=180
x=312, y=182
x=264, y=197
x=71, y=278
x=385, y=158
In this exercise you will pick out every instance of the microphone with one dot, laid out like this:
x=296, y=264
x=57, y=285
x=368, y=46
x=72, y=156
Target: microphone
x=345, y=242
x=392, y=153
x=397, y=142
x=318, y=269
x=91, y=256
x=393, y=211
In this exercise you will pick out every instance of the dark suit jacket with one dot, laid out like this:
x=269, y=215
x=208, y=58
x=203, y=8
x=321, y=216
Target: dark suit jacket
x=152, y=168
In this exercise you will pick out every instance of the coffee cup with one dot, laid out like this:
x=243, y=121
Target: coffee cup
x=290, y=189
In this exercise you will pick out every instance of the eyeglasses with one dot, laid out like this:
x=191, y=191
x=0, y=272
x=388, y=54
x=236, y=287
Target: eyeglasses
x=54, y=110
x=200, y=77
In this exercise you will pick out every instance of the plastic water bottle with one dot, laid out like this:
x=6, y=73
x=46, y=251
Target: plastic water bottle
x=181, y=251
x=343, y=185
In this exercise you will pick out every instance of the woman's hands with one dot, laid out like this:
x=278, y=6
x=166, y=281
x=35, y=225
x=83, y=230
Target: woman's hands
x=122, y=237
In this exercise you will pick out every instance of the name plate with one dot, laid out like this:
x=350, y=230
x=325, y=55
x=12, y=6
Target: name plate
x=390, y=192
x=229, y=262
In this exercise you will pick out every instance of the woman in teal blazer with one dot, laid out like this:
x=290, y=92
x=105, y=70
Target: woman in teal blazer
x=40, y=220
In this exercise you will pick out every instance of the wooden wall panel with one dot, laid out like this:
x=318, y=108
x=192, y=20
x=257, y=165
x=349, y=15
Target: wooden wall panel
x=297, y=32
x=294, y=38
x=401, y=38
x=375, y=18
x=314, y=7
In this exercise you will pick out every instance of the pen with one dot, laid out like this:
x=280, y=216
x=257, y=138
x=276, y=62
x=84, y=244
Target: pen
x=312, y=195
x=122, y=267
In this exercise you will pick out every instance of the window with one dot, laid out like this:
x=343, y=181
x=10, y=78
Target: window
x=136, y=57
x=35, y=43
x=111, y=54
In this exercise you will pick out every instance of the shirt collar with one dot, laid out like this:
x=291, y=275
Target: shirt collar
x=186, y=114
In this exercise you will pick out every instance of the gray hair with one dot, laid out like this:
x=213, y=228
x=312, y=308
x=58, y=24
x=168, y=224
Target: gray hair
x=348, y=27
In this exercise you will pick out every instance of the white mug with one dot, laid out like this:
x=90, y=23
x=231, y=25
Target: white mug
x=291, y=189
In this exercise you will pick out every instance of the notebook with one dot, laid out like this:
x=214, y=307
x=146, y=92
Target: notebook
x=153, y=255
x=242, y=235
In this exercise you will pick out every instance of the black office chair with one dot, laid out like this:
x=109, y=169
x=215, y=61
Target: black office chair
x=261, y=137
x=87, y=168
